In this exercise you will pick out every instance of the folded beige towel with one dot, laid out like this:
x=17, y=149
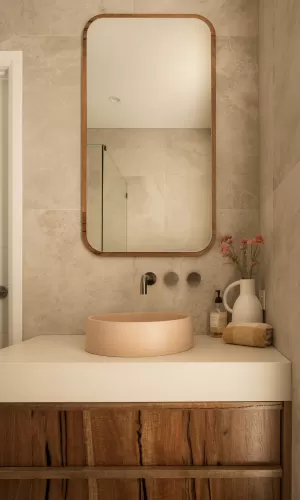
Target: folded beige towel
x=250, y=334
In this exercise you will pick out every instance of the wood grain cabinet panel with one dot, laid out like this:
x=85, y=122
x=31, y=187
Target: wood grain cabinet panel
x=16, y=438
x=219, y=489
x=210, y=437
x=244, y=489
x=86, y=438
x=234, y=437
x=41, y=438
x=114, y=441
x=44, y=490
x=118, y=490
x=139, y=437
x=166, y=436
x=114, y=435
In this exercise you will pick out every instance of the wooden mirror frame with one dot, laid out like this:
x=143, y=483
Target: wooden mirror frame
x=84, y=137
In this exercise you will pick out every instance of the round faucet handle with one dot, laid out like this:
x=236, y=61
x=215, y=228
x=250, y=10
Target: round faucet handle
x=193, y=279
x=151, y=278
x=171, y=279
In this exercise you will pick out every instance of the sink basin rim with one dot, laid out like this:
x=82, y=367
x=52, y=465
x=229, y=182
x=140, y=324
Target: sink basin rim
x=138, y=317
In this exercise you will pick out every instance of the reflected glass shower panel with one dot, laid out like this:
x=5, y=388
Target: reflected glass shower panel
x=114, y=206
x=94, y=223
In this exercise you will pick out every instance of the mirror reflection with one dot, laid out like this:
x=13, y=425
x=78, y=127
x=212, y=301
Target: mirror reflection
x=149, y=137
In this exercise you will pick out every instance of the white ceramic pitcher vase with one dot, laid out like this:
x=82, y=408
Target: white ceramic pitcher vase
x=247, y=308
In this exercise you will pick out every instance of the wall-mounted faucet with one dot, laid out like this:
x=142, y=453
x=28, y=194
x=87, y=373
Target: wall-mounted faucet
x=147, y=279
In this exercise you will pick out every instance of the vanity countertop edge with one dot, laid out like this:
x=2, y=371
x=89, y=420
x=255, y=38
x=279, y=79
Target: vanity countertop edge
x=56, y=368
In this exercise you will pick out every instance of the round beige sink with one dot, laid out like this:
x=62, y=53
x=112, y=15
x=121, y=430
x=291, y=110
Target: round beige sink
x=139, y=334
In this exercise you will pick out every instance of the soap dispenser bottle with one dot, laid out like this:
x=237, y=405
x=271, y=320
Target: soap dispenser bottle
x=218, y=317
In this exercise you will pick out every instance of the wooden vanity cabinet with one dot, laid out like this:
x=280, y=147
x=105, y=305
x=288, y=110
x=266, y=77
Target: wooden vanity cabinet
x=180, y=451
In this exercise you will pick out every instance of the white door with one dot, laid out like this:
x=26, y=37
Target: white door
x=11, y=206
x=3, y=208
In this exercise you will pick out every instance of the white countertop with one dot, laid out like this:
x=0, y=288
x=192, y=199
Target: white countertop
x=56, y=368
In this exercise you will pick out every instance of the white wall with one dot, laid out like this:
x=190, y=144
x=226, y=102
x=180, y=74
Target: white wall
x=3, y=208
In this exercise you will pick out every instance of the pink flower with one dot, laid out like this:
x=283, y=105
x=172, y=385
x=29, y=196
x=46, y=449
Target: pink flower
x=244, y=255
x=226, y=239
x=259, y=240
x=225, y=250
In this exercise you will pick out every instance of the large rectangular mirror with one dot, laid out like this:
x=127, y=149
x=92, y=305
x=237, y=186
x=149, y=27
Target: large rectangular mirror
x=148, y=135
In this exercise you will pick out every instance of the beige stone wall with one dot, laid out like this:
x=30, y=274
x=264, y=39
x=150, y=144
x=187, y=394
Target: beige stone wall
x=280, y=182
x=63, y=282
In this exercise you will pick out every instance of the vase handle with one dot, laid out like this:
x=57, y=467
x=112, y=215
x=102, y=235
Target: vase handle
x=235, y=283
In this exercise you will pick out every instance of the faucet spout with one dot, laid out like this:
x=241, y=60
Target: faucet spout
x=147, y=279
x=143, y=285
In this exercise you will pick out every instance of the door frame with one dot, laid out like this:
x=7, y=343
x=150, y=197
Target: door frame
x=12, y=62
